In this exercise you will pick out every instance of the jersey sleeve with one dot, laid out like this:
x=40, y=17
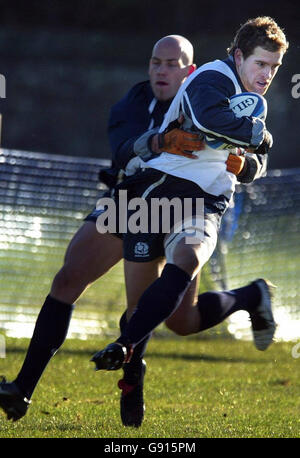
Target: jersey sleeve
x=206, y=101
x=129, y=118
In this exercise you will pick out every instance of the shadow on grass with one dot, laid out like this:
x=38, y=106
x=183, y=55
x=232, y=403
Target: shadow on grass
x=153, y=354
x=205, y=357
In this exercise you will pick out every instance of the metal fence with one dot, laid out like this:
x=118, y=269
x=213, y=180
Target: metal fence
x=44, y=198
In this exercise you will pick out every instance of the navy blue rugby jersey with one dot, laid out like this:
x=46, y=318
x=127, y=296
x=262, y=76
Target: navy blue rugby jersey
x=137, y=112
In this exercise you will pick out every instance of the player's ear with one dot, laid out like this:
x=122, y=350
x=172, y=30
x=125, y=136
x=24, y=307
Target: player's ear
x=192, y=68
x=238, y=56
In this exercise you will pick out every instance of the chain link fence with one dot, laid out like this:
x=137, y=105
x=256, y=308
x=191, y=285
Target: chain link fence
x=44, y=198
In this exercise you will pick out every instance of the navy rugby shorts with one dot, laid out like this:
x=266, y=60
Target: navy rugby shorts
x=96, y=212
x=153, y=184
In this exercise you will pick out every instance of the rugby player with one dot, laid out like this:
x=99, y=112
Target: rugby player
x=253, y=61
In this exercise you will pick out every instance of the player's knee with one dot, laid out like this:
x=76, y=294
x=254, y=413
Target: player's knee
x=67, y=278
x=186, y=258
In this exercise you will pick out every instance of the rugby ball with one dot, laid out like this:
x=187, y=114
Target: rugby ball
x=249, y=104
x=244, y=104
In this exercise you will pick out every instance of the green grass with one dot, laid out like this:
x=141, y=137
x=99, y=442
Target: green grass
x=208, y=388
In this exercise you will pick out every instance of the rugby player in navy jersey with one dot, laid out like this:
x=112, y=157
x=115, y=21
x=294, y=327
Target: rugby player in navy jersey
x=254, y=58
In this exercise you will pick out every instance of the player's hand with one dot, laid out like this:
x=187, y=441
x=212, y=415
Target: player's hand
x=235, y=164
x=180, y=142
x=265, y=146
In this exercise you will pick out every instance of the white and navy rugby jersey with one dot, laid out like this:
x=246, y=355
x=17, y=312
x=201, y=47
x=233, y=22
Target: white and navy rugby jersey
x=204, y=100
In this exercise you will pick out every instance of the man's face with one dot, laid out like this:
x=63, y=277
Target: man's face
x=258, y=70
x=167, y=71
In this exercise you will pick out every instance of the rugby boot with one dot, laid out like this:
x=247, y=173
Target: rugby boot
x=12, y=401
x=132, y=405
x=262, y=320
x=112, y=357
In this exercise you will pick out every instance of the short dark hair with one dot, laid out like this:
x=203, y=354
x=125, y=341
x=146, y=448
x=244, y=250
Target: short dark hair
x=261, y=31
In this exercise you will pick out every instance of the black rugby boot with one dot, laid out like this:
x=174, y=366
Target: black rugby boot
x=112, y=357
x=12, y=401
x=132, y=405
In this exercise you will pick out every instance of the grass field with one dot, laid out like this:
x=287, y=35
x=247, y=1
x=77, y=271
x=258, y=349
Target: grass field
x=208, y=388
x=214, y=387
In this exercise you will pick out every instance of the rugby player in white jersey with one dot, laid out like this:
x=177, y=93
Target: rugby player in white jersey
x=254, y=58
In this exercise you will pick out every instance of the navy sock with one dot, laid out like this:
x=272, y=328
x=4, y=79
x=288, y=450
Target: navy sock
x=156, y=304
x=133, y=369
x=214, y=307
x=50, y=331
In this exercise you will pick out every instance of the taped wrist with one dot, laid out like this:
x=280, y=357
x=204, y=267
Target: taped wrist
x=248, y=173
x=142, y=146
